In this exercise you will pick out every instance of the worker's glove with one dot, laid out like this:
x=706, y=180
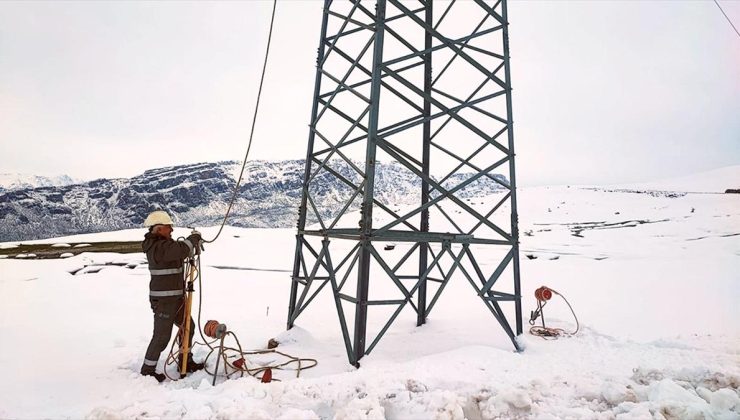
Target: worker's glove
x=197, y=241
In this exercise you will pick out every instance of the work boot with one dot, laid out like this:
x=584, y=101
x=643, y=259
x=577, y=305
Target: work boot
x=158, y=376
x=192, y=366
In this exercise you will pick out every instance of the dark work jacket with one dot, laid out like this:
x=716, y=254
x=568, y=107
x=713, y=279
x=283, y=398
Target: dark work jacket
x=165, y=258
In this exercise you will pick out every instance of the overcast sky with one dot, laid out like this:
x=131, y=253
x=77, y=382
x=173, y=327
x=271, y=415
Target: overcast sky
x=604, y=91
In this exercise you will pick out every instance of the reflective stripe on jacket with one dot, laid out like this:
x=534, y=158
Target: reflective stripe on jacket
x=165, y=258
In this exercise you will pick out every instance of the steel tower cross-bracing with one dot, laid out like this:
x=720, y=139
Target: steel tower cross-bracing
x=415, y=94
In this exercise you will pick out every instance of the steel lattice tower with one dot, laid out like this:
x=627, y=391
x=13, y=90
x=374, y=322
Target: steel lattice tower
x=448, y=127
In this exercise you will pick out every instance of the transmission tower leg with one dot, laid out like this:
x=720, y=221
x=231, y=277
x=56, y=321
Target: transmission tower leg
x=363, y=285
x=366, y=216
x=426, y=134
x=512, y=175
x=294, y=282
x=302, y=210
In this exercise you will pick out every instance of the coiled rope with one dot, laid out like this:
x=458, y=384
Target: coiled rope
x=240, y=365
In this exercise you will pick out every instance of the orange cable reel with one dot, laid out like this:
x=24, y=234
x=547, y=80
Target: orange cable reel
x=543, y=294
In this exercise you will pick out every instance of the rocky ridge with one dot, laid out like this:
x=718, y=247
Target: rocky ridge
x=197, y=195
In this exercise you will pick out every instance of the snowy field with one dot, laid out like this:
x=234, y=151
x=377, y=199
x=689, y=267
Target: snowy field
x=653, y=279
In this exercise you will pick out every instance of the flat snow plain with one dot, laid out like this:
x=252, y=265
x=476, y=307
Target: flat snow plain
x=654, y=284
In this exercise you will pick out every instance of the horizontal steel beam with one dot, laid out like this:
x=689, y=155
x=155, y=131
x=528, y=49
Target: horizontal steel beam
x=347, y=298
x=499, y=296
x=386, y=302
x=404, y=236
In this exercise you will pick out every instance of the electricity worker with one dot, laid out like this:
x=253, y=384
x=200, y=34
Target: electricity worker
x=166, y=288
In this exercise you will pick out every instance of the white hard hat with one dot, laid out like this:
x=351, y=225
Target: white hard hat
x=158, y=217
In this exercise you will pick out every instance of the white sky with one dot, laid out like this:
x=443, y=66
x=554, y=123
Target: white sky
x=603, y=91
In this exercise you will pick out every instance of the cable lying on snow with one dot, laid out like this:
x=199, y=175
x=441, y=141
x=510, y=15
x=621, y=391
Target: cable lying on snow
x=234, y=359
x=543, y=295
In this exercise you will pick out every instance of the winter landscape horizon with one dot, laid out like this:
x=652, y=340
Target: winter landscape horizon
x=535, y=204
x=197, y=194
x=650, y=271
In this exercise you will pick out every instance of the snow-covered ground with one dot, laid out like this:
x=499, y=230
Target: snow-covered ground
x=653, y=279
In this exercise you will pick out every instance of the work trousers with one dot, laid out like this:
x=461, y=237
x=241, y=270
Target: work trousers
x=168, y=311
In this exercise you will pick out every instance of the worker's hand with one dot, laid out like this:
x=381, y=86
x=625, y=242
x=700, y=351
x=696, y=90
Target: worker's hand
x=196, y=240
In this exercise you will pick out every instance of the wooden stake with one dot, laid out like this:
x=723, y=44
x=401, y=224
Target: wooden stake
x=185, y=326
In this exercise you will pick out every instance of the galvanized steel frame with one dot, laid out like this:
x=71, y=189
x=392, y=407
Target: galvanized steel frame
x=314, y=266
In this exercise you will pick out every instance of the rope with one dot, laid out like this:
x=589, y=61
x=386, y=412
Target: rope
x=727, y=17
x=200, y=309
x=550, y=333
x=236, y=367
x=239, y=363
x=172, y=357
x=251, y=133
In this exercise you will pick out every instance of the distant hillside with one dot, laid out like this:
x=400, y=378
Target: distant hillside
x=197, y=195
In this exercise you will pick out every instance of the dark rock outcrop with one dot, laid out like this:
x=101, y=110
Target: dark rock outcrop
x=198, y=194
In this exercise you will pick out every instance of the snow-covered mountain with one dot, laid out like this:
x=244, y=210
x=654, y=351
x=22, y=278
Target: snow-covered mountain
x=22, y=181
x=198, y=195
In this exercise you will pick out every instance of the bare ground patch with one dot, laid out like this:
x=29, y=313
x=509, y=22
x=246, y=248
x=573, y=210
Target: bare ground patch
x=47, y=251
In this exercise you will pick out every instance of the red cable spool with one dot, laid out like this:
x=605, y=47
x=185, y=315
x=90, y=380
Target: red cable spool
x=543, y=294
x=214, y=329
